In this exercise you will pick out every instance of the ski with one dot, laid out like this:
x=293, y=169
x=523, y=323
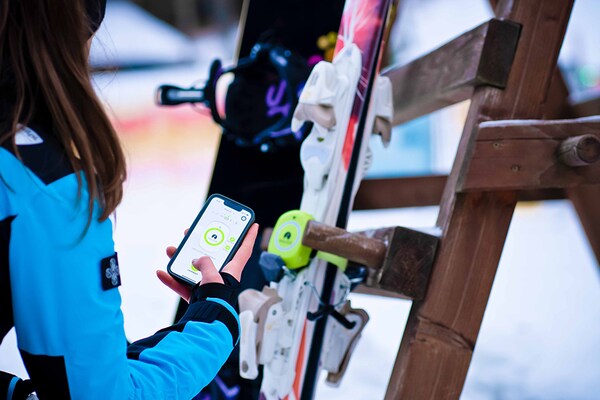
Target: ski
x=286, y=327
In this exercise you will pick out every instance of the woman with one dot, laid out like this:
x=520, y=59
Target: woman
x=61, y=177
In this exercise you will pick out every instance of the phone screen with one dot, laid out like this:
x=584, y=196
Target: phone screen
x=217, y=233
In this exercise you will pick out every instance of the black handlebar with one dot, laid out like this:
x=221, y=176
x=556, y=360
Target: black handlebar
x=168, y=95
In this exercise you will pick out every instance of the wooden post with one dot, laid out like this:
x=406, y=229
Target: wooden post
x=442, y=329
x=358, y=248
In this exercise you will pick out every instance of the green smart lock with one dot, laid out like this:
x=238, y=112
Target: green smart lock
x=286, y=240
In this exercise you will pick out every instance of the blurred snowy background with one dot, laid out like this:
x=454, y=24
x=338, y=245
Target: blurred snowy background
x=540, y=337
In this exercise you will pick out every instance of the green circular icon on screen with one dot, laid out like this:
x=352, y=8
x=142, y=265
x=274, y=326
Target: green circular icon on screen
x=214, y=236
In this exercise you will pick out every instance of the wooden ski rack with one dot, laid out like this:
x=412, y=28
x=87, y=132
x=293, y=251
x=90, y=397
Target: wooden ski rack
x=523, y=140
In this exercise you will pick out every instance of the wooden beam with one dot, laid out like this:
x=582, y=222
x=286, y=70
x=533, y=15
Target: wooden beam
x=518, y=155
x=421, y=191
x=448, y=75
x=441, y=332
x=418, y=191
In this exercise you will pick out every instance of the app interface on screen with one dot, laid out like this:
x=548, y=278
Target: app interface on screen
x=215, y=236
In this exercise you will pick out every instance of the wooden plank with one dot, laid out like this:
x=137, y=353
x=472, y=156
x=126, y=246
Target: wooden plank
x=517, y=155
x=421, y=191
x=448, y=75
x=538, y=129
x=511, y=168
x=442, y=329
x=417, y=191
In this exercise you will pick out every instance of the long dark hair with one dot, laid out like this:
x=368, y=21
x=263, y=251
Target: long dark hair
x=44, y=46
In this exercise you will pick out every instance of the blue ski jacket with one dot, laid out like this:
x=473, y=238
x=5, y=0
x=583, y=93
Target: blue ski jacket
x=58, y=288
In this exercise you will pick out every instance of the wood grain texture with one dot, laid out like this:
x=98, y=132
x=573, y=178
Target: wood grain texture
x=442, y=329
x=407, y=265
x=538, y=129
x=526, y=154
x=399, y=259
x=421, y=191
x=417, y=191
x=355, y=247
x=448, y=75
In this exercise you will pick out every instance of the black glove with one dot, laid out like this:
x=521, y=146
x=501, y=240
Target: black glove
x=229, y=290
x=20, y=389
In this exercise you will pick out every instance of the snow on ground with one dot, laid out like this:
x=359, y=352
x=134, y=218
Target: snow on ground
x=540, y=337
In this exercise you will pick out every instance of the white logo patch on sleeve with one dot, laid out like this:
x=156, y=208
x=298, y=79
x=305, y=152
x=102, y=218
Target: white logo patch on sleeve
x=27, y=137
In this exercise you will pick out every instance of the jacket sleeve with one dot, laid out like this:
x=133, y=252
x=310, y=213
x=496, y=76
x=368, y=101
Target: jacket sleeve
x=211, y=308
x=64, y=281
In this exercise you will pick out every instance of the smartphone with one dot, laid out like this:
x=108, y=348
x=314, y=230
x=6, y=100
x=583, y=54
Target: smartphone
x=217, y=232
